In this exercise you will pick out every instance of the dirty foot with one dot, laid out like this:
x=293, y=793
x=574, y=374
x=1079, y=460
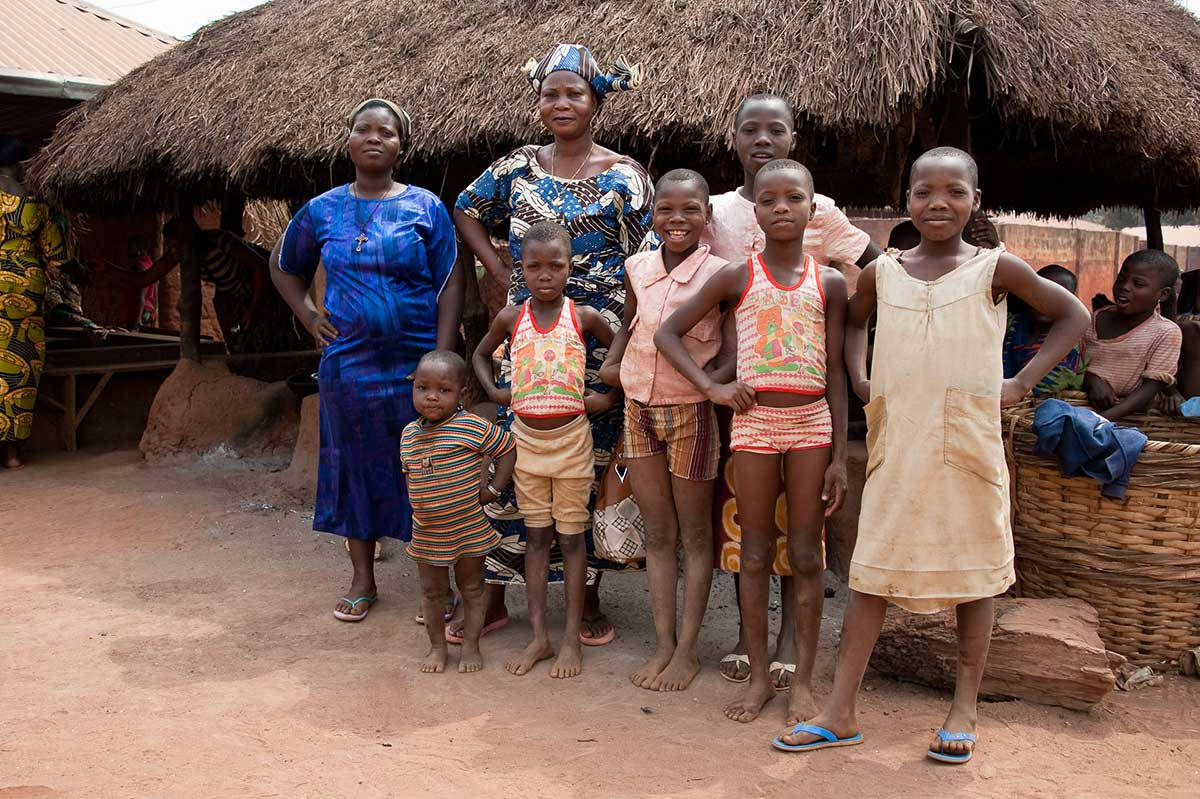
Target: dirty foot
x=569, y=661
x=747, y=707
x=435, y=661
x=357, y=589
x=841, y=727
x=955, y=722
x=533, y=654
x=649, y=670
x=678, y=674
x=801, y=705
x=471, y=660
x=596, y=630
x=736, y=670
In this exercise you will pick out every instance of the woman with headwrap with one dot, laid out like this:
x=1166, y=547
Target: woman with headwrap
x=603, y=200
x=392, y=294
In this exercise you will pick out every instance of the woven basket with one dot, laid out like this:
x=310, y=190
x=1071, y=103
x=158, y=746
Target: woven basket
x=1136, y=561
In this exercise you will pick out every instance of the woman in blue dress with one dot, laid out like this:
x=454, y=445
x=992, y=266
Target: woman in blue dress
x=392, y=294
x=603, y=199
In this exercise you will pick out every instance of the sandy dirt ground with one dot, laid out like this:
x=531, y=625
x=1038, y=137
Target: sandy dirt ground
x=167, y=633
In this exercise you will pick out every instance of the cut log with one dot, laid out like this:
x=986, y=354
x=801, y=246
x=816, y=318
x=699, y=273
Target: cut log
x=1044, y=650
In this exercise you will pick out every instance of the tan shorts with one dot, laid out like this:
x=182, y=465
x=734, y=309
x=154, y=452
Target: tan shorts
x=686, y=433
x=554, y=475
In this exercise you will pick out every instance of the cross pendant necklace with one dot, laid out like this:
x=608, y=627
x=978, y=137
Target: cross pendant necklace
x=362, y=237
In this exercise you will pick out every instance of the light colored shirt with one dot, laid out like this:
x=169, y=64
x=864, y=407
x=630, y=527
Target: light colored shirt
x=646, y=376
x=734, y=233
x=1148, y=352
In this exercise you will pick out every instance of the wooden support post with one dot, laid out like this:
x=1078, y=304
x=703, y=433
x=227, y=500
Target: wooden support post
x=190, y=297
x=1154, y=237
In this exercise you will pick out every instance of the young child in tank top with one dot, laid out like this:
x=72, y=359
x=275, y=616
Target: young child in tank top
x=934, y=529
x=555, y=470
x=789, y=314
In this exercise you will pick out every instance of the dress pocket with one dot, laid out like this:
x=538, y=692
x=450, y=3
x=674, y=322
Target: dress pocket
x=973, y=440
x=876, y=411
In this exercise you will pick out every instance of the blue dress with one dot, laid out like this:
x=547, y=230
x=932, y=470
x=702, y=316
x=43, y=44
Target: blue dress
x=383, y=301
x=607, y=217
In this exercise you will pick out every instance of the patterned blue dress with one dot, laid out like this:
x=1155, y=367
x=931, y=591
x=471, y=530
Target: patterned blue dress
x=383, y=301
x=607, y=216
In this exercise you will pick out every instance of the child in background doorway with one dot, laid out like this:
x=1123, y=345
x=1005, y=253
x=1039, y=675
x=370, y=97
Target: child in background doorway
x=934, y=529
x=789, y=315
x=443, y=455
x=550, y=403
x=670, y=441
x=764, y=130
x=1132, y=352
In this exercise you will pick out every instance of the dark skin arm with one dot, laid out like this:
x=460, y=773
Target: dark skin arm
x=610, y=370
x=723, y=368
x=1068, y=316
x=481, y=360
x=294, y=290
x=476, y=237
x=503, y=476
x=591, y=323
x=859, y=310
x=870, y=254
x=162, y=267
x=724, y=288
x=450, y=307
x=1136, y=402
x=834, y=285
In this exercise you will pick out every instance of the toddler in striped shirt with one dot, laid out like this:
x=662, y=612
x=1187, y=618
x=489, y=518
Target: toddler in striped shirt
x=443, y=456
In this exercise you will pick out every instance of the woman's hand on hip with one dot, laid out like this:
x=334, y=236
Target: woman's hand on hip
x=320, y=328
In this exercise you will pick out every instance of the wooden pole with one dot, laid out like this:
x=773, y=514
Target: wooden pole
x=190, y=297
x=1154, y=237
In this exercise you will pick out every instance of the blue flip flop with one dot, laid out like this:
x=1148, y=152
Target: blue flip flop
x=353, y=603
x=828, y=739
x=947, y=737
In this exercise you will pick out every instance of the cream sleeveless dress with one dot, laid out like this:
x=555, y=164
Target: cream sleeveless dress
x=934, y=530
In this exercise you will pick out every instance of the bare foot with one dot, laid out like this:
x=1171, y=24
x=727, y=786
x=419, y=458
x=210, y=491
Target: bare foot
x=435, y=661
x=801, y=705
x=470, y=661
x=841, y=727
x=678, y=674
x=569, y=661
x=649, y=670
x=955, y=722
x=747, y=707
x=533, y=654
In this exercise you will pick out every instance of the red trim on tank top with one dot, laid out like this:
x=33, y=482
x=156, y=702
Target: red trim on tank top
x=749, y=283
x=574, y=318
x=820, y=288
x=533, y=318
x=767, y=272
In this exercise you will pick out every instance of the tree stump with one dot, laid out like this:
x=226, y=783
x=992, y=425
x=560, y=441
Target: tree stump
x=1044, y=650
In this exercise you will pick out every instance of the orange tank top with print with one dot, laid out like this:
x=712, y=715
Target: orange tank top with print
x=781, y=331
x=548, y=366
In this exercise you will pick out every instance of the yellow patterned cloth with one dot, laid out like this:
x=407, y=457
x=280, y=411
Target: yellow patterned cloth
x=31, y=244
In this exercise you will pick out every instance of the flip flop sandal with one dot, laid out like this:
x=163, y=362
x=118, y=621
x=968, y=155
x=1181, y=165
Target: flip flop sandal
x=447, y=616
x=733, y=657
x=828, y=739
x=777, y=666
x=947, y=737
x=600, y=640
x=453, y=638
x=353, y=603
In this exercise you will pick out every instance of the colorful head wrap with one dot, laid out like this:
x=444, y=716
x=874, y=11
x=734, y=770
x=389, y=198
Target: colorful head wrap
x=404, y=120
x=578, y=59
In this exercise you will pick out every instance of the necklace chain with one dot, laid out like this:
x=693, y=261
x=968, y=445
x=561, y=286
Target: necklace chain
x=362, y=237
x=554, y=161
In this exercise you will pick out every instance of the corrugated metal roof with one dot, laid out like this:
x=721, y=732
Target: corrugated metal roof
x=74, y=39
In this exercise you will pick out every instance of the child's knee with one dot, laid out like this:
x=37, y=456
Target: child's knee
x=471, y=589
x=757, y=558
x=572, y=544
x=805, y=558
x=661, y=538
x=696, y=537
x=434, y=590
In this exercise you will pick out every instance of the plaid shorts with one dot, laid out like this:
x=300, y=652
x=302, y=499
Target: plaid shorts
x=686, y=433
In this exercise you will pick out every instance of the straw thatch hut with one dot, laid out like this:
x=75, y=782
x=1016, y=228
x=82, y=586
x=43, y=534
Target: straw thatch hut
x=1068, y=105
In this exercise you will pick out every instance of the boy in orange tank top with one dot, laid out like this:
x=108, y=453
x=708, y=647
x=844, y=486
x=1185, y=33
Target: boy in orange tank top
x=550, y=403
x=789, y=315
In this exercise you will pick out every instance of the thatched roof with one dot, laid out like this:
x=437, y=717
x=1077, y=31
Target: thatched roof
x=1072, y=104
